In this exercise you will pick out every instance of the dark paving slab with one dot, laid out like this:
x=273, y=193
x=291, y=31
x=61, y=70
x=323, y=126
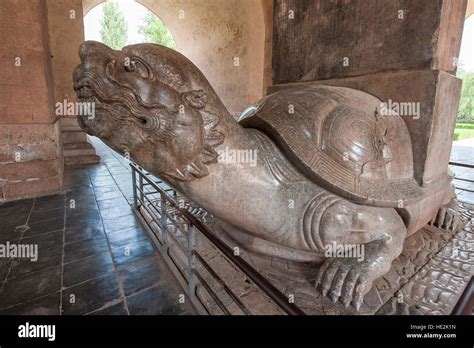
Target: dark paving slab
x=43, y=206
x=85, y=248
x=81, y=208
x=30, y=286
x=4, y=268
x=89, y=219
x=141, y=275
x=121, y=238
x=14, y=219
x=40, y=216
x=113, y=203
x=46, y=240
x=12, y=231
x=90, y=295
x=112, y=224
x=48, y=305
x=44, y=226
x=156, y=301
x=46, y=259
x=86, y=269
x=101, y=180
x=82, y=232
x=20, y=205
x=117, y=211
x=133, y=252
x=116, y=309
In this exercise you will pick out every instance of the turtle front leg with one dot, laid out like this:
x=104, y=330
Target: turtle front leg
x=378, y=234
x=348, y=279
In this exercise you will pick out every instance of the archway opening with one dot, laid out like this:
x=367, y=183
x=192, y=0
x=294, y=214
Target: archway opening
x=126, y=22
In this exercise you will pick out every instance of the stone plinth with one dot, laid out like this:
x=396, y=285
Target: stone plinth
x=316, y=40
x=380, y=47
x=436, y=92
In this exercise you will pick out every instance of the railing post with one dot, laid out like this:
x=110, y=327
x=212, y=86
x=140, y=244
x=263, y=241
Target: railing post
x=134, y=180
x=191, y=260
x=163, y=218
x=140, y=180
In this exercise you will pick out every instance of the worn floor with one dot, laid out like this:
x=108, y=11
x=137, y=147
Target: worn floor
x=93, y=256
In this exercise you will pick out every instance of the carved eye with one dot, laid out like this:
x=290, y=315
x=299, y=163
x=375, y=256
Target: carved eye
x=140, y=67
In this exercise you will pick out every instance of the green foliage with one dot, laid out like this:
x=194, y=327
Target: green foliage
x=465, y=125
x=155, y=31
x=466, y=102
x=463, y=131
x=113, y=27
x=460, y=133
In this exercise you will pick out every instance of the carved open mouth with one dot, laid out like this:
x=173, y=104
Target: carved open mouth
x=85, y=93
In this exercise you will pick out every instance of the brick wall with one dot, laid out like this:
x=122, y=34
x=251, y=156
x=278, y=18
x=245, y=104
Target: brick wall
x=30, y=154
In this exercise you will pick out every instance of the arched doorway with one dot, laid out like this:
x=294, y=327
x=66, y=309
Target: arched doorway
x=118, y=24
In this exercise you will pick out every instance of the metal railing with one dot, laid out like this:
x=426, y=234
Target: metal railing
x=465, y=304
x=458, y=179
x=159, y=203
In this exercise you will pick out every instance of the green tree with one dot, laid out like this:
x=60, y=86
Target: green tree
x=113, y=31
x=155, y=31
x=466, y=102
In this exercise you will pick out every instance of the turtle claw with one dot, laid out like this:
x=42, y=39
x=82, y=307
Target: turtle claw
x=345, y=280
x=448, y=217
x=334, y=297
x=359, y=295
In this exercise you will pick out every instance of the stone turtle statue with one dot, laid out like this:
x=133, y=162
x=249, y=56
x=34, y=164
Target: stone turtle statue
x=329, y=169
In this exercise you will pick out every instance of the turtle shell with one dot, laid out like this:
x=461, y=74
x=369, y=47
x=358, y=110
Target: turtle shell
x=338, y=138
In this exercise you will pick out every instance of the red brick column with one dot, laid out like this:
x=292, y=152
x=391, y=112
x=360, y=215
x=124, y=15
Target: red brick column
x=30, y=152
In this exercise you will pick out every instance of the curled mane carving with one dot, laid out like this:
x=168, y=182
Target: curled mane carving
x=179, y=74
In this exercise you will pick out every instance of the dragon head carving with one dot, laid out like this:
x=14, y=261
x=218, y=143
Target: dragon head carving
x=151, y=103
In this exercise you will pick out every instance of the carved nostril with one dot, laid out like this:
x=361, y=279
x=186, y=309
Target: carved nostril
x=149, y=123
